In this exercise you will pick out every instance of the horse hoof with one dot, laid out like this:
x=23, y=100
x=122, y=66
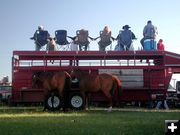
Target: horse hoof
x=109, y=109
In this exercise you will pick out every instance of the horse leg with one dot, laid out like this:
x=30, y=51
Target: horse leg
x=87, y=101
x=61, y=95
x=45, y=107
x=52, y=99
x=45, y=98
x=108, y=95
x=65, y=99
x=66, y=92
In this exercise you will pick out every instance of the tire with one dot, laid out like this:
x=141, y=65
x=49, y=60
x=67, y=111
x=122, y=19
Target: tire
x=53, y=102
x=76, y=101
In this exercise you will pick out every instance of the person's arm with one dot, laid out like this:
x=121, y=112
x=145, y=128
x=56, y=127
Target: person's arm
x=34, y=36
x=73, y=38
x=113, y=38
x=96, y=38
x=90, y=37
x=117, y=37
x=156, y=31
x=144, y=31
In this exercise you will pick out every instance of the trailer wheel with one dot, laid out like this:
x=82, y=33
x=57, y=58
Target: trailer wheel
x=77, y=101
x=53, y=102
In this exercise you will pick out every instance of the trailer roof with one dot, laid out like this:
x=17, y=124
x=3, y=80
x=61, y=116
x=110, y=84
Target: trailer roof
x=89, y=54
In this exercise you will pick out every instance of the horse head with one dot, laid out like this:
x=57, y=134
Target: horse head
x=38, y=78
x=76, y=74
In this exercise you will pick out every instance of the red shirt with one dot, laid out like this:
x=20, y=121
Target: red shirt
x=160, y=46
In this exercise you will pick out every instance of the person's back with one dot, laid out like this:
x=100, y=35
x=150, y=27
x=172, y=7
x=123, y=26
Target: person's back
x=105, y=37
x=82, y=36
x=125, y=38
x=81, y=39
x=149, y=31
x=160, y=45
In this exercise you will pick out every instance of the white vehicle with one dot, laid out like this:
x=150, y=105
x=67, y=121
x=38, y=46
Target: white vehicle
x=173, y=97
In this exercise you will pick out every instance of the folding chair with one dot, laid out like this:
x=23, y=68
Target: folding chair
x=82, y=39
x=61, y=39
x=105, y=41
x=41, y=38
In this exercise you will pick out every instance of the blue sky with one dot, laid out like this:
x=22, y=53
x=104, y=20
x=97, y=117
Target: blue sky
x=20, y=18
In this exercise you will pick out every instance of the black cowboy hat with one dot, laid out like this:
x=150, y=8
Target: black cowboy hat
x=126, y=27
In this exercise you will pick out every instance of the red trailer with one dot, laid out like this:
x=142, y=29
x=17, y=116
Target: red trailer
x=145, y=75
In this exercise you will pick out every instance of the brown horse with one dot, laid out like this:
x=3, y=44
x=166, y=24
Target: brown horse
x=52, y=83
x=108, y=84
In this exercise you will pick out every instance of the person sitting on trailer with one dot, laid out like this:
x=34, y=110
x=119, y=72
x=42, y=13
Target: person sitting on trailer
x=40, y=37
x=105, y=38
x=149, y=32
x=160, y=45
x=81, y=39
x=125, y=38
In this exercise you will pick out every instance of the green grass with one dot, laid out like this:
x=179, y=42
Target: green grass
x=32, y=121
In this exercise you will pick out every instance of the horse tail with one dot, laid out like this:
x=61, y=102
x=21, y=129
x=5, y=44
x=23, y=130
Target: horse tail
x=67, y=85
x=66, y=90
x=117, y=87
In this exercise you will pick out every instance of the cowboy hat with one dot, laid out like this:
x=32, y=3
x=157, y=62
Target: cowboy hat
x=126, y=27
